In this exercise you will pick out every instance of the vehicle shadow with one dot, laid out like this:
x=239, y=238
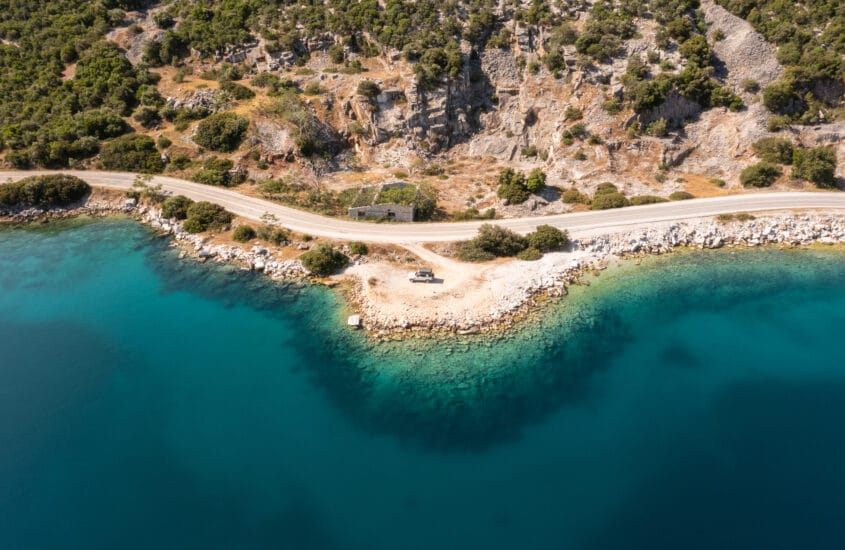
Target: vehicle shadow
x=435, y=280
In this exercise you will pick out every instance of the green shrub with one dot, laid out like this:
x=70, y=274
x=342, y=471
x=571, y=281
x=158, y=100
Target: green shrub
x=606, y=187
x=773, y=149
x=193, y=225
x=778, y=96
x=554, y=61
x=536, y=181
x=573, y=196
x=313, y=88
x=762, y=174
x=499, y=241
x=221, y=132
x=777, y=123
x=470, y=251
x=572, y=113
x=217, y=171
x=176, y=207
x=718, y=182
x=681, y=196
x=243, y=233
x=546, y=237
x=273, y=234
x=749, y=85
x=512, y=186
x=50, y=190
x=658, y=128
x=101, y=123
x=163, y=20
x=358, y=248
x=148, y=117
x=132, y=153
x=205, y=215
x=576, y=131
x=530, y=152
x=639, y=200
x=605, y=201
x=817, y=165
x=163, y=142
x=324, y=260
x=530, y=254
x=336, y=54
x=509, y=176
x=368, y=88
x=612, y=105
x=696, y=51
x=237, y=91
x=514, y=194
x=180, y=161
x=492, y=241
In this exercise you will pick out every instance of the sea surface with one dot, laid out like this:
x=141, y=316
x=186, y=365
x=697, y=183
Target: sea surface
x=694, y=401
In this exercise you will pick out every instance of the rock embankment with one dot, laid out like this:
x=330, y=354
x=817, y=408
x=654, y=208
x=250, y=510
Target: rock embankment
x=789, y=230
x=95, y=205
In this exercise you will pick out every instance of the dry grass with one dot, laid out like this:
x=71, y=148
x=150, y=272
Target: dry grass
x=702, y=187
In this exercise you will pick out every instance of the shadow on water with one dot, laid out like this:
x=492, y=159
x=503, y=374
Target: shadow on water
x=448, y=396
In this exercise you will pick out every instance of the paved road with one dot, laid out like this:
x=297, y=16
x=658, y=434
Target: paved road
x=584, y=224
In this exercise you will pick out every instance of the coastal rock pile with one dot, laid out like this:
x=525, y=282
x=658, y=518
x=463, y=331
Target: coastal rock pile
x=257, y=258
x=789, y=230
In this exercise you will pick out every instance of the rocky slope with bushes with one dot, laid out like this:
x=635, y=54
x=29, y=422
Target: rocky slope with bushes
x=656, y=96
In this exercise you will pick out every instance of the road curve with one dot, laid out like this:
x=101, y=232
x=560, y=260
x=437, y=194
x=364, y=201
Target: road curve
x=582, y=224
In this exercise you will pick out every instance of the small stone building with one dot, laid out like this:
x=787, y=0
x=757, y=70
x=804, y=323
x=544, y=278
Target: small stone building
x=395, y=212
x=367, y=206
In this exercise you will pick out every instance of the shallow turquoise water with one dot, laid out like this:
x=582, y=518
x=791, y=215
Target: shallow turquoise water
x=694, y=401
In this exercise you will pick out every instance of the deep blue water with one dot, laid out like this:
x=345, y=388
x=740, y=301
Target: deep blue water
x=696, y=401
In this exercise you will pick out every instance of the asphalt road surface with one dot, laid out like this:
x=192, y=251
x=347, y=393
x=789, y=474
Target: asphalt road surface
x=580, y=225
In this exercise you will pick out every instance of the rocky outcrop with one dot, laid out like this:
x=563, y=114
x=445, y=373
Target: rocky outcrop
x=206, y=98
x=743, y=53
x=137, y=44
x=274, y=138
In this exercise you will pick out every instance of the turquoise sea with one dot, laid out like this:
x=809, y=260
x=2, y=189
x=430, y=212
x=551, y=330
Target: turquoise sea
x=695, y=401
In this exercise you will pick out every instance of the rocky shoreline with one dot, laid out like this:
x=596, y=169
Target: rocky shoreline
x=200, y=247
x=255, y=258
x=525, y=292
x=562, y=269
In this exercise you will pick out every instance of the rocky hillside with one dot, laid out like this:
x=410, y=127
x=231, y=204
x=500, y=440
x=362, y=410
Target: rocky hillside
x=656, y=96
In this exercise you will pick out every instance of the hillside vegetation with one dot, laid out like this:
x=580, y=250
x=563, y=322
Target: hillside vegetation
x=445, y=95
